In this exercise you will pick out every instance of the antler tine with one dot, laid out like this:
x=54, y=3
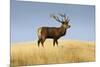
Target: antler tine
x=56, y=18
x=63, y=15
x=68, y=19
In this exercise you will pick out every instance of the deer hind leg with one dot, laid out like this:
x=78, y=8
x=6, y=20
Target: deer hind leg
x=39, y=42
x=42, y=41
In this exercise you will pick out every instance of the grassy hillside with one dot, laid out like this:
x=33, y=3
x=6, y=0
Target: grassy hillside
x=68, y=51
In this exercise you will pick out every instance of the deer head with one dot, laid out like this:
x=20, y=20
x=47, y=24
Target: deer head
x=64, y=21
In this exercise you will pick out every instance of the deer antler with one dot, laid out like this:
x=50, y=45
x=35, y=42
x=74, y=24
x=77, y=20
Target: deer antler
x=68, y=19
x=56, y=18
x=65, y=18
x=63, y=15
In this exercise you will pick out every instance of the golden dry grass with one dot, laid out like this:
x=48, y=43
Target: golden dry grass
x=68, y=51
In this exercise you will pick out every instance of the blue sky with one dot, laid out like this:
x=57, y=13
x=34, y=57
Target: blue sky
x=26, y=17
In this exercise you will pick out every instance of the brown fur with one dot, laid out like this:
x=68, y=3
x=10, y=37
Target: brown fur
x=52, y=32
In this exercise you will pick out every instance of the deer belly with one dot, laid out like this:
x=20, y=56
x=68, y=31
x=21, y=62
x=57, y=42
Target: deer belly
x=52, y=36
x=49, y=37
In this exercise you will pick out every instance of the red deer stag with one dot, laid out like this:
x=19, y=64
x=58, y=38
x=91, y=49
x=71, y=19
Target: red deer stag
x=53, y=32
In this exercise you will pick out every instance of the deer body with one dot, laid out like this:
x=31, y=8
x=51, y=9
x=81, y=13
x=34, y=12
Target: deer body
x=52, y=32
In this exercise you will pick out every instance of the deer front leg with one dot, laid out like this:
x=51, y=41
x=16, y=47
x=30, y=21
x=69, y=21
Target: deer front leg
x=54, y=42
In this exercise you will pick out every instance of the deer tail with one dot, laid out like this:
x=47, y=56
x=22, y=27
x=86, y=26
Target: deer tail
x=39, y=32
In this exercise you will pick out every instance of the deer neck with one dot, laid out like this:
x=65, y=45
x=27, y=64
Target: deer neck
x=63, y=30
x=63, y=27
